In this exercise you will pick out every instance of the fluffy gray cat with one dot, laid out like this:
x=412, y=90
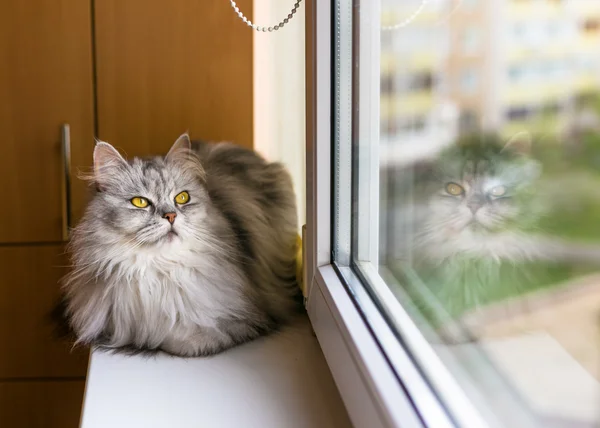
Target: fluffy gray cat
x=191, y=253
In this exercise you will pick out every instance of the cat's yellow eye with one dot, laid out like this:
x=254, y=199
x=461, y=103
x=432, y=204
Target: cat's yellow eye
x=140, y=202
x=182, y=198
x=498, y=191
x=454, y=189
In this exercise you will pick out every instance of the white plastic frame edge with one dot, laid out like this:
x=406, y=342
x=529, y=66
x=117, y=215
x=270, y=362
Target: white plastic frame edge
x=371, y=393
x=373, y=396
x=318, y=129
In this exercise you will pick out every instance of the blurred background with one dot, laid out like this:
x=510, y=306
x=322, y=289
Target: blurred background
x=135, y=73
x=453, y=69
x=503, y=65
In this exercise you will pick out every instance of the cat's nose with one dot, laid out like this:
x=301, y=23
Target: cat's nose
x=474, y=207
x=170, y=217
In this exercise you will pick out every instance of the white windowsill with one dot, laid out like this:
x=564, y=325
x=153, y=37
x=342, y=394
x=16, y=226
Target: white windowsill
x=279, y=381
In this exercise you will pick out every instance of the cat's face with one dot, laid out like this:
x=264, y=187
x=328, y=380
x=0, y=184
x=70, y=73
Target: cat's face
x=482, y=191
x=150, y=201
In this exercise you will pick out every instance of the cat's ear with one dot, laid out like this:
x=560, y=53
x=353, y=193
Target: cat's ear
x=181, y=154
x=519, y=144
x=107, y=162
x=180, y=148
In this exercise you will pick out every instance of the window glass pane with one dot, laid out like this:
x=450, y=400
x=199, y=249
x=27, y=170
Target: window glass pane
x=476, y=194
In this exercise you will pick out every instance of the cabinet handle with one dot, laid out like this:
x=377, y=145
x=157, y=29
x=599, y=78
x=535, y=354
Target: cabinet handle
x=66, y=152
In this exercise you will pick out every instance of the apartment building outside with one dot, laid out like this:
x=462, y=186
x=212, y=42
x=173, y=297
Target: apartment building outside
x=503, y=65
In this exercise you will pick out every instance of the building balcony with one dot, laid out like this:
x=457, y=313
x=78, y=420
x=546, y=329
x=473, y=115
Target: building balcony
x=392, y=63
x=401, y=13
x=411, y=104
x=530, y=10
x=531, y=93
x=551, y=51
x=537, y=125
x=586, y=82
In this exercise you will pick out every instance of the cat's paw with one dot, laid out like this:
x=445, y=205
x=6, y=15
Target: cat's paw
x=196, y=345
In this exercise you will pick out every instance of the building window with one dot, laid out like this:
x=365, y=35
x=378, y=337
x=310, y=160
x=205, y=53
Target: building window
x=470, y=40
x=551, y=108
x=518, y=113
x=519, y=30
x=387, y=84
x=515, y=73
x=411, y=124
x=468, y=122
x=422, y=81
x=469, y=81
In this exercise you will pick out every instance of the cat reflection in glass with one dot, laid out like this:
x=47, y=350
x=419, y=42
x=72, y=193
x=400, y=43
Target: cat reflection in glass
x=478, y=228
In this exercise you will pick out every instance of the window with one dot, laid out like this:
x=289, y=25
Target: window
x=469, y=81
x=516, y=73
x=454, y=264
x=587, y=64
x=551, y=108
x=518, y=113
x=411, y=81
x=422, y=81
x=470, y=40
x=387, y=84
x=519, y=30
x=469, y=122
x=412, y=124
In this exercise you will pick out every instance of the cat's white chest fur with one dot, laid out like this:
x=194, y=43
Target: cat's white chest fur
x=172, y=288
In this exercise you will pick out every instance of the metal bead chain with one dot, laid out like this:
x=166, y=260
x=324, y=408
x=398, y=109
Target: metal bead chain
x=266, y=29
x=408, y=20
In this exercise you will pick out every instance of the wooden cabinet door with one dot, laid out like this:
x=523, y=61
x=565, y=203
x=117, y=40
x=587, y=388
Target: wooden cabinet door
x=45, y=80
x=29, y=288
x=44, y=404
x=164, y=67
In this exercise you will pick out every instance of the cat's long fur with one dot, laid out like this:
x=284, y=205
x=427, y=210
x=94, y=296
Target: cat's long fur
x=226, y=277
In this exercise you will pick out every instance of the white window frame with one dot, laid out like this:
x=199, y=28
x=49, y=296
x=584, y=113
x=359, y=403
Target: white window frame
x=378, y=380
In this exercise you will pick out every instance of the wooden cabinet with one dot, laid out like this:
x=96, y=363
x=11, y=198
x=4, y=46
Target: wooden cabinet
x=41, y=404
x=28, y=290
x=45, y=80
x=167, y=67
